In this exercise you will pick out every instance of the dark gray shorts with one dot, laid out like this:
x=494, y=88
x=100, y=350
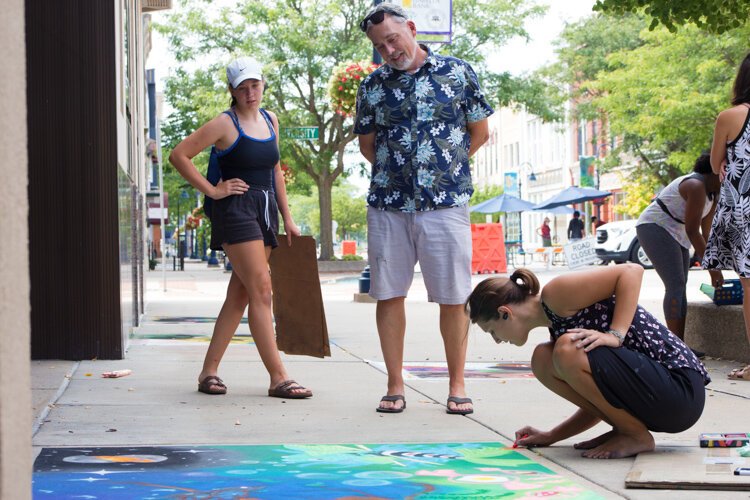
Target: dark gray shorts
x=664, y=400
x=251, y=216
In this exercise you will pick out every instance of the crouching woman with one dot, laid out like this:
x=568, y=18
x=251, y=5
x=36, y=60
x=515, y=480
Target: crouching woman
x=607, y=355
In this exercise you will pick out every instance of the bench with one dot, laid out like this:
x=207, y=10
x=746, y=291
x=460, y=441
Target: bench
x=719, y=331
x=549, y=255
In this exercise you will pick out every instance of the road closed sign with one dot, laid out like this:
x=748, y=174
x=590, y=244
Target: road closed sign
x=580, y=252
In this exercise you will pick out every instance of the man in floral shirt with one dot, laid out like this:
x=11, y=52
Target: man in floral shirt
x=420, y=117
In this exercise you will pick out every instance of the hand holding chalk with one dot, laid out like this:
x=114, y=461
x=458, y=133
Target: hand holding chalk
x=515, y=443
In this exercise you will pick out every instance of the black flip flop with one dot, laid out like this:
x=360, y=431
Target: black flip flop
x=458, y=401
x=392, y=399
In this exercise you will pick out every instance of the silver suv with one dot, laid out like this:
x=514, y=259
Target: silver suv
x=618, y=242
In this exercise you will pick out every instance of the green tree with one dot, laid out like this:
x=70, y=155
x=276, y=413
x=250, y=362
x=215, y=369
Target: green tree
x=582, y=52
x=301, y=42
x=713, y=15
x=662, y=98
x=306, y=212
x=480, y=195
x=350, y=212
x=659, y=91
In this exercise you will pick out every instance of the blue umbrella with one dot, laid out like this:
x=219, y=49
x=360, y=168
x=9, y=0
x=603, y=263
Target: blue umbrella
x=560, y=210
x=502, y=203
x=572, y=195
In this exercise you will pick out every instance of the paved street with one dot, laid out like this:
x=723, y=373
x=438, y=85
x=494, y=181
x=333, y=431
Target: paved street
x=158, y=404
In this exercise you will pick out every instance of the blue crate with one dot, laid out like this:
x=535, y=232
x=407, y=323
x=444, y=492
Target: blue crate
x=729, y=293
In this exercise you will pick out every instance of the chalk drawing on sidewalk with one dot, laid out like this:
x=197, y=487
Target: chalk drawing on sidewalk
x=475, y=370
x=187, y=319
x=168, y=338
x=313, y=471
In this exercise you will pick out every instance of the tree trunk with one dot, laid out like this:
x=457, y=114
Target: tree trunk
x=326, y=217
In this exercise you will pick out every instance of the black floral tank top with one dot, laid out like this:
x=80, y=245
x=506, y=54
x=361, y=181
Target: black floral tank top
x=645, y=335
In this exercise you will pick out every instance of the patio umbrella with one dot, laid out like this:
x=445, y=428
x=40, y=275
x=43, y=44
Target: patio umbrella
x=502, y=203
x=559, y=210
x=572, y=195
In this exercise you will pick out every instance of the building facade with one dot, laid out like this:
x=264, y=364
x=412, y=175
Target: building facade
x=88, y=167
x=532, y=161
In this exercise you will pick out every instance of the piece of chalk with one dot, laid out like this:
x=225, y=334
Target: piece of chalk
x=515, y=443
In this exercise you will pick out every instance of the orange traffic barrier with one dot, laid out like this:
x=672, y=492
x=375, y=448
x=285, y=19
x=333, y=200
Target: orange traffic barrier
x=348, y=247
x=488, y=249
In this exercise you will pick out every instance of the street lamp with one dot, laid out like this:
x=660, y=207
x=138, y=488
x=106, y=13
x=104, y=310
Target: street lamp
x=532, y=178
x=181, y=250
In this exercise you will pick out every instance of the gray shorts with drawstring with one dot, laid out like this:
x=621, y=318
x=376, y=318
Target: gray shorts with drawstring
x=440, y=240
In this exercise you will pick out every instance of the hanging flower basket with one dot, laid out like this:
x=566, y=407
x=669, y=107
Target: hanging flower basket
x=288, y=174
x=192, y=222
x=344, y=83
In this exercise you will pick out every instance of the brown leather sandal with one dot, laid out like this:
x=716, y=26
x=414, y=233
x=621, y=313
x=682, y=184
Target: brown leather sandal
x=212, y=385
x=286, y=390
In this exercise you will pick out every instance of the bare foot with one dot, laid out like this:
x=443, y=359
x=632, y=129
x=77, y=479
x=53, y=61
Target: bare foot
x=740, y=373
x=621, y=446
x=593, y=443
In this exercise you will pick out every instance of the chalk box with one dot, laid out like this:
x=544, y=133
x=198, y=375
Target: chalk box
x=724, y=439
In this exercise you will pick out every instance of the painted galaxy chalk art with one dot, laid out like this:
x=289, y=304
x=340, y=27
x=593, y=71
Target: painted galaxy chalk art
x=474, y=370
x=343, y=471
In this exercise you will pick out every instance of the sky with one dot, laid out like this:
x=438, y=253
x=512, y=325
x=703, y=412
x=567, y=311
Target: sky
x=519, y=57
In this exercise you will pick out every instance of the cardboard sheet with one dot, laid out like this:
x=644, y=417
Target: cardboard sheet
x=689, y=468
x=297, y=300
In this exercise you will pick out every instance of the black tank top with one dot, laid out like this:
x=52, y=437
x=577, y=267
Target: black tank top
x=249, y=159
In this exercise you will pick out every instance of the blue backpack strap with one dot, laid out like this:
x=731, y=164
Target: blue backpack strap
x=234, y=120
x=269, y=122
x=213, y=174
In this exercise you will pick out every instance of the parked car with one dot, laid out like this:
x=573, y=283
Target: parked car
x=617, y=242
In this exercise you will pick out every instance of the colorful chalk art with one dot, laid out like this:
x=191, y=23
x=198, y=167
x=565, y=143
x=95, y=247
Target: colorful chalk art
x=172, y=330
x=344, y=471
x=474, y=370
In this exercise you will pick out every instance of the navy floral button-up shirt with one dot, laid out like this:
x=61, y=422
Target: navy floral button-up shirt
x=421, y=139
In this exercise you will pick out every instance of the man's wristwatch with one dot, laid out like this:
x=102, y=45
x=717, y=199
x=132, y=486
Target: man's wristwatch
x=617, y=334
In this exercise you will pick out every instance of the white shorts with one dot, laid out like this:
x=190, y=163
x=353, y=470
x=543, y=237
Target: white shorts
x=440, y=240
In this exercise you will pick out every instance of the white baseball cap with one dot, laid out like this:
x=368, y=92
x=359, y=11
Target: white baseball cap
x=244, y=68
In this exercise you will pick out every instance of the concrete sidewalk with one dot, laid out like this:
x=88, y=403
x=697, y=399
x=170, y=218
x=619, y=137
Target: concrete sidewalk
x=159, y=405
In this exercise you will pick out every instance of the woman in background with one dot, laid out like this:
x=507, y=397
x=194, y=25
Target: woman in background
x=729, y=243
x=680, y=216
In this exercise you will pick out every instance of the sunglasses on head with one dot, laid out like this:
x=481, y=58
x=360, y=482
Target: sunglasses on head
x=377, y=17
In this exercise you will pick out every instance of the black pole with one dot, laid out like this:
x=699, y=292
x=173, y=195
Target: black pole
x=375, y=55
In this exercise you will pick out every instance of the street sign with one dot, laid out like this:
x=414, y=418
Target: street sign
x=300, y=133
x=434, y=19
x=580, y=252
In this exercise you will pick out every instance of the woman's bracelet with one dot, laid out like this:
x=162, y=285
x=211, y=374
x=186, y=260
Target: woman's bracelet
x=617, y=334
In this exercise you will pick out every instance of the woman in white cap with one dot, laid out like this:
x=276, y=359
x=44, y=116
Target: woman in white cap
x=244, y=219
